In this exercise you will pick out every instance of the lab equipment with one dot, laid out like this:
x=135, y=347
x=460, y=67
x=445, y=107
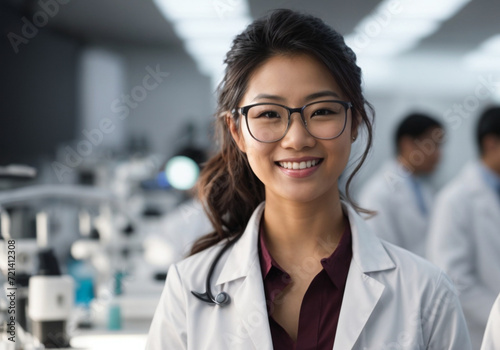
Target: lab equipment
x=50, y=302
x=51, y=293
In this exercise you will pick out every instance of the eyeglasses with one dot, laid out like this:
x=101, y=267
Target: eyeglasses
x=269, y=122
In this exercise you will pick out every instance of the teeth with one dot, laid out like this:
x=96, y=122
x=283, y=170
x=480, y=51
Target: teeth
x=301, y=165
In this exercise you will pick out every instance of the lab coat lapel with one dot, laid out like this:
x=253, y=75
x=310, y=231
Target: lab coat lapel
x=362, y=292
x=250, y=303
x=483, y=192
x=361, y=295
x=242, y=275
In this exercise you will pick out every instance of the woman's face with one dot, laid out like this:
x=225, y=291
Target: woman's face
x=294, y=81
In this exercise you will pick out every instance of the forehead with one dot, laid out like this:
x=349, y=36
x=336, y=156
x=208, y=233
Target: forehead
x=291, y=78
x=434, y=133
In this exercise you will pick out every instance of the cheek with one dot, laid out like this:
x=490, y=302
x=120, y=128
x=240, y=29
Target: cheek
x=342, y=148
x=498, y=152
x=258, y=155
x=339, y=152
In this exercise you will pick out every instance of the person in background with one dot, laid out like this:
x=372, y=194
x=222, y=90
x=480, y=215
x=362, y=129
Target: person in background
x=401, y=199
x=491, y=339
x=464, y=235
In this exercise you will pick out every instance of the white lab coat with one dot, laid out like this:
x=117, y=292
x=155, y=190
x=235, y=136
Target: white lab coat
x=491, y=340
x=464, y=240
x=393, y=300
x=399, y=219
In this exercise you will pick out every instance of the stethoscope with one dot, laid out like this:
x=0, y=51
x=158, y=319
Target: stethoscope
x=221, y=298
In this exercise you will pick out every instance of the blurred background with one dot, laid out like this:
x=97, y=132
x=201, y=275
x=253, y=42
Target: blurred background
x=103, y=103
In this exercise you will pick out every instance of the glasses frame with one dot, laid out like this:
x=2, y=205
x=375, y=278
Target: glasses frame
x=244, y=111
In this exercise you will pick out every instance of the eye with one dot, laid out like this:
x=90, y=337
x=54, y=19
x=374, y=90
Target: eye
x=269, y=114
x=323, y=111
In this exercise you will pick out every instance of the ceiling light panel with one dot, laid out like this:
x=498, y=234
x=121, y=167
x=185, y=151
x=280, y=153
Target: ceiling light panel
x=207, y=28
x=440, y=10
x=176, y=10
x=404, y=22
x=486, y=57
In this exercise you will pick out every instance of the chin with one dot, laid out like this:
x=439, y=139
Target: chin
x=306, y=195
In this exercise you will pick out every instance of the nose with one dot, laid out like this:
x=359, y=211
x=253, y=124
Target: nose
x=297, y=136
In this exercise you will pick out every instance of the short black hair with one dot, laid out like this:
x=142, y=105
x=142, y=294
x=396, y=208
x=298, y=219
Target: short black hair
x=415, y=125
x=488, y=124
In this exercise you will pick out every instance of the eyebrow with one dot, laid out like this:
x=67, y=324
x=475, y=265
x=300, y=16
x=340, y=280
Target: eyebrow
x=326, y=93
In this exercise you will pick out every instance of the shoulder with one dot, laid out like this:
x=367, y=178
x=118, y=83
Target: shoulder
x=418, y=286
x=464, y=184
x=386, y=182
x=407, y=261
x=386, y=262
x=416, y=274
x=377, y=187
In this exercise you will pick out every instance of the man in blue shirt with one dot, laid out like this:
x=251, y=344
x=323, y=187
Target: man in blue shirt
x=397, y=191
x=464, y=236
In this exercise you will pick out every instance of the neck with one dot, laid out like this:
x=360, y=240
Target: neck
x=406, y=163
x=295, y=231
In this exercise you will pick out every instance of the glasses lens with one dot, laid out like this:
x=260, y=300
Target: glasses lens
x=267, y=122
x=325, y=120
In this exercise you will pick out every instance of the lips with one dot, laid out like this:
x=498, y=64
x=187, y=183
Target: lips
x=299, y=167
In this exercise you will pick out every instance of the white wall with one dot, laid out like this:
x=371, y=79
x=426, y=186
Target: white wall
x=171, y=101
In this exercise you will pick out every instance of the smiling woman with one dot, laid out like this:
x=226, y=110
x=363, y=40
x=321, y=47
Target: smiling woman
x=292, y=264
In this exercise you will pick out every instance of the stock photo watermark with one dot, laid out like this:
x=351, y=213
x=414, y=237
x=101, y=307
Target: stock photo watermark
x=121, y=107
x=31, y=27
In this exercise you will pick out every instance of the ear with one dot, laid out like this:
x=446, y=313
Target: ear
x=406, y=144
x=356, y=122
x=235, y=132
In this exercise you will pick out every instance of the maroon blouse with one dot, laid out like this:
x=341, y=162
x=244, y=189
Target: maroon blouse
x=320, y=309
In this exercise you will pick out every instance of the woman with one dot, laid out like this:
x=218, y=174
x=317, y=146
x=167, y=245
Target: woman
x=300, y=270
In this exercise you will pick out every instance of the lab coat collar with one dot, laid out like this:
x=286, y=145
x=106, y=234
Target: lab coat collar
x=483, y=176
x=368, y=252
x=489, y=176
x=478, y=188
x=243, y=275
x=245, y=252
x=369, y=255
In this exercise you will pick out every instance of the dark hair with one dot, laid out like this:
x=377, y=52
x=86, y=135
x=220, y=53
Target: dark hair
x=488, y=124
x=227, y=187
x=414, y=126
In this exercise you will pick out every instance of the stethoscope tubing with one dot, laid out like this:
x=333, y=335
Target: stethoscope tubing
x=222, y=298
